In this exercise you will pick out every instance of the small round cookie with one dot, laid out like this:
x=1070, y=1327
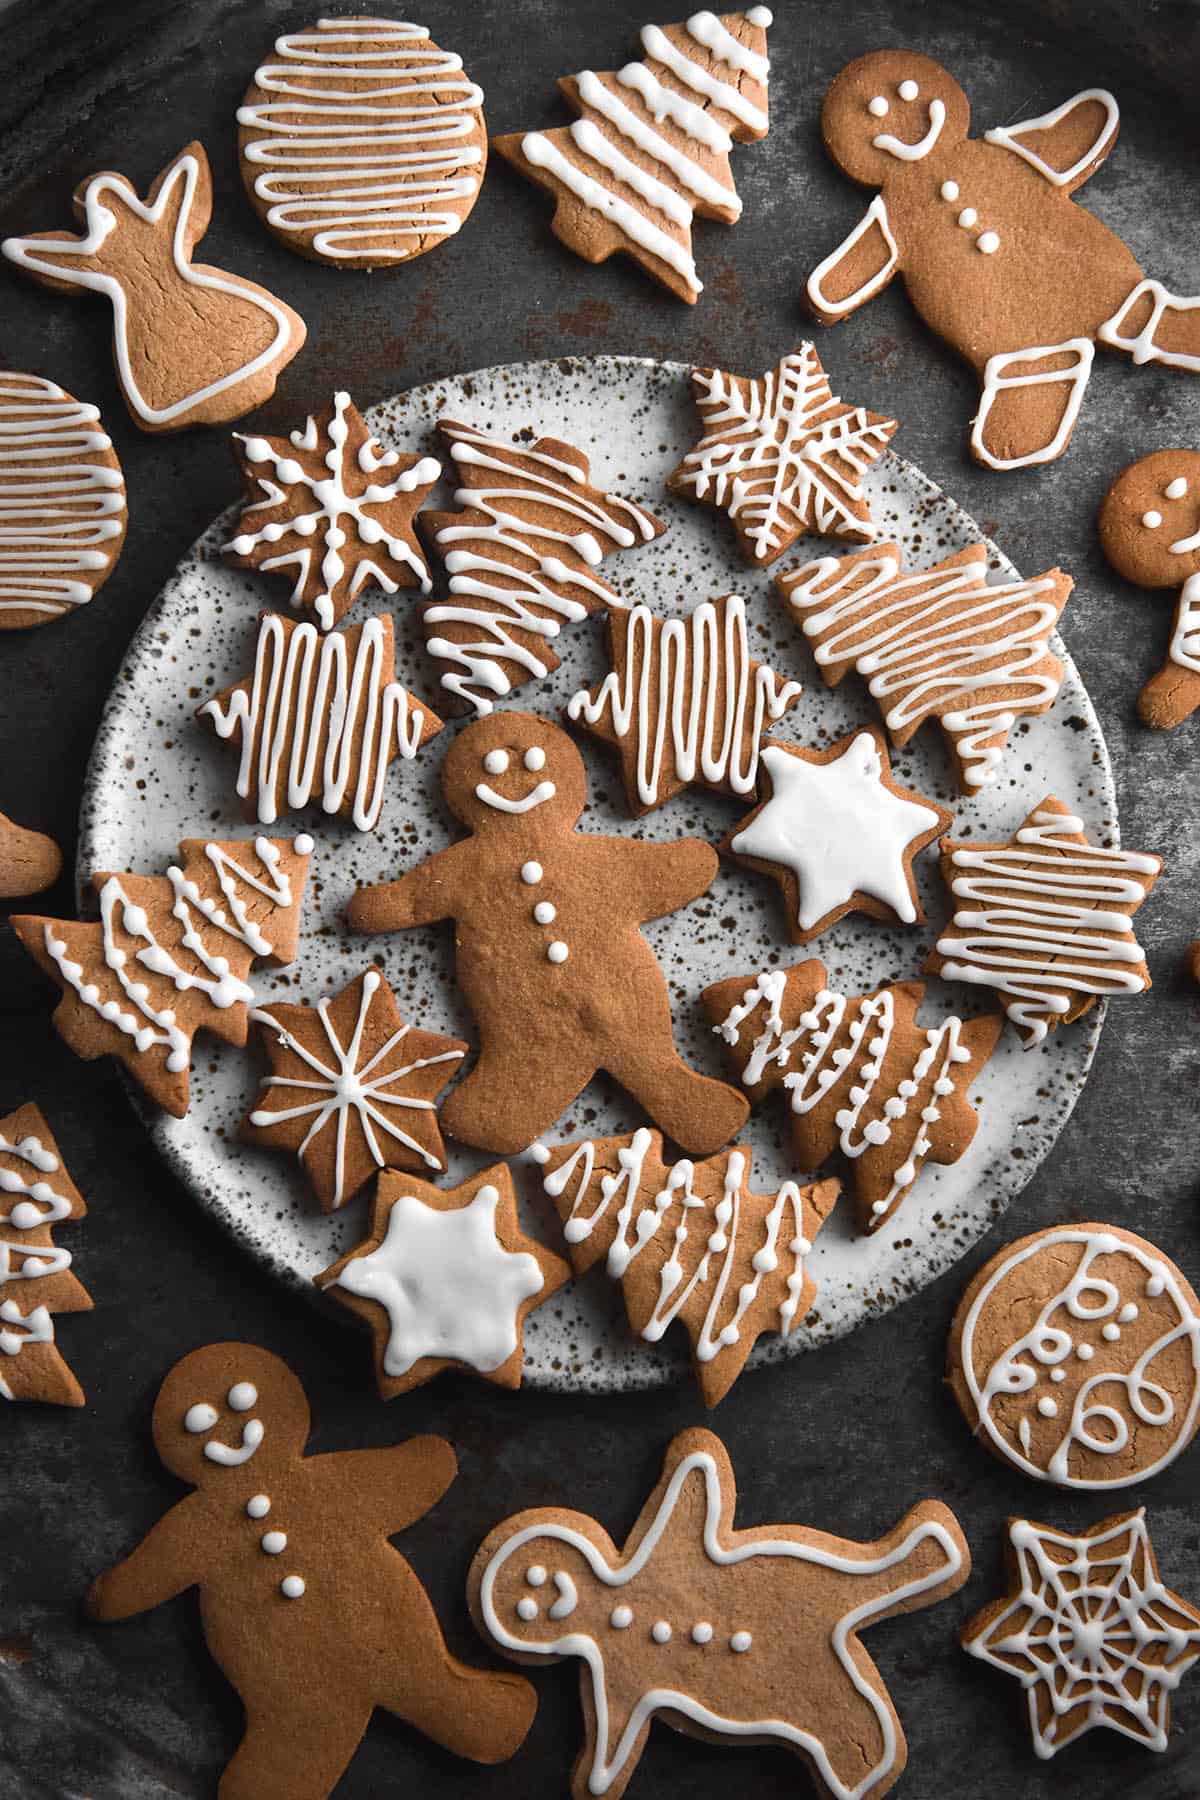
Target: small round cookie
x=62, y=502
x=1075, y=1355
x=362, y=144
x=1149, y=526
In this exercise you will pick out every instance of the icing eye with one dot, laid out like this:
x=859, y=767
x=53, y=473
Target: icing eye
x=1175, y=490
x=536, y=1576
x=877, y=107
x=496, y=761
x=535, y=757
x=1151, y=519
x=908, y=90
x=201, y=1417
x=242, y=1396
x=527, y=1609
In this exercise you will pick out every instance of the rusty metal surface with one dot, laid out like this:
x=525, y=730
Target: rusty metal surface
x=846, y=1438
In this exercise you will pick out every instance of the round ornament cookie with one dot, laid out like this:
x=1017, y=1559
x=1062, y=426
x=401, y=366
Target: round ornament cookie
x=362, y=143
x=1075, y=1354
x=62, y=502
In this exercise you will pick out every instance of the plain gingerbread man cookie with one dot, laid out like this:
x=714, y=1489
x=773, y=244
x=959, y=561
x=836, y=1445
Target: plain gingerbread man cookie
x=307, y=1608
x=550, y=953
x=1149, y=528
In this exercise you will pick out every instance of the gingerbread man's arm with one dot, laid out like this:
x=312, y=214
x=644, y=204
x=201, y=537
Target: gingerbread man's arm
x=651, y=880
x=168, y=1560
x=1065, y=146
x=860, y=267
x=398, y=1485
x=427, y=893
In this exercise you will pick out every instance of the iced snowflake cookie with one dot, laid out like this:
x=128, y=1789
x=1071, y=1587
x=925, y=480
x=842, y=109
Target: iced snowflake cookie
x=169, y=955
x=1090, y=1631
x=30, y=861
x=1075, y=1354
x=690, y=1242
x=362, y=143
x=1046, y=920
x=860, y=1074
x=984, y=232
x=192, y=344
x=445, y=1280
x=732, y=1636
x=550, y=955
x=837, y=833
x=782, y=456
x=650, y=150
x=37, y=1280
x=62, y=502
x=295, y=1574
x=351, y=1088
x=1149, y=528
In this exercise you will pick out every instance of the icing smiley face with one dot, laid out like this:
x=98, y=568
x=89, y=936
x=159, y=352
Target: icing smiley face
x=226, y=1408
x=1150, y=520
x=889, y=111
x=507, y=767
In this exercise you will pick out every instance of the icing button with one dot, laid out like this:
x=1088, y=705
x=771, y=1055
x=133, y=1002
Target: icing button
x=660, y=1631
x=292, y=1586
x=557, y=952
x=258, y=1506
x=274, y=1543
x=531, y=873
x=740, y=1642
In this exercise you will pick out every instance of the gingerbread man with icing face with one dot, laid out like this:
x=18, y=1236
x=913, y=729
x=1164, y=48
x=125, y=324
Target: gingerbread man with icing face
x=308, y=1610
x=550, y=955
x=1150, y=532
x=996, y=256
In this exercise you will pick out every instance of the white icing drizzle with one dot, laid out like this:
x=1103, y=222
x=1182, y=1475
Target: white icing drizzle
x=40, y=1204
x=1142, y=346
x=915, y=152
x=362, y=166
x=1010, y=135
x=684, y=169
x=56, y=507
x=875, y=218
x=707, y=31
x=699, y=658
x=18, y=1329
x=996, y=379
x=540, y=151
x=1185, y=640
x=921, y=639
x=232, y=1457
x=346, y=1092
x=306, y=692
x=1039, y=928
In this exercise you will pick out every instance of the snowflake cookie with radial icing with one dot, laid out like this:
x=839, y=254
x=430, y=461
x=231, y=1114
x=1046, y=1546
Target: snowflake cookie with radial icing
x=1149, y=528
x=650, y=150
x=362, y=143
x=445, y=1279
x=37, y=1278
x=837, y=833
x=1075, y=1354
x=782, y=455
x=1090, y=1631
x=550, y=954
x=734, y=1636
x=350, y=1088
x=291, y=1559
x=996, y=255
x=192, y=344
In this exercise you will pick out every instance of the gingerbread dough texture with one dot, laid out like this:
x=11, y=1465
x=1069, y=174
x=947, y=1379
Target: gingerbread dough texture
x=30, y=862
x=996, y=255
x=550, y=955
x=1149, y=529
x=731, y=1636
x=307, y=1609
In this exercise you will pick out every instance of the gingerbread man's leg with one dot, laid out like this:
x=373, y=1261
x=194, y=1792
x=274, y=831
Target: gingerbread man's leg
x=699, y=1113
x=1155, y=325
x=298, y=1749
x=505, y=1102
x=1030, y=402
x=1172, y=695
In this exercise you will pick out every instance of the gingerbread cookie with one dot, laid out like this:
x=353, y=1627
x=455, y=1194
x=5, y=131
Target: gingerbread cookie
x=317, y=511
x=36, y=1278
x=782, y=456
x=307, y=1609
x=521, y=556
x=193, y=345
x=363, y=145
x=1047, y=920
x=984, y=232
x=728, y=1635
x=861, y=1075
x=445, y=1279
x=549, y=952
x=1090, y=1632
x=684, y=702
x=169, y=955
x=650, y=149
x=689, y=1241
x=320, y=719
x=837, y=833
x=30, y=861
x=1149, y=532
x=944, y=644
x=1075, y=1354
x=62, y=502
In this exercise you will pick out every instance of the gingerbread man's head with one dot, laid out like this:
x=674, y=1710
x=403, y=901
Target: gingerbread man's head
x=513, y=766
x=890, y=109
x=226, y=1406
x=538, y=1581
x=1150, y=519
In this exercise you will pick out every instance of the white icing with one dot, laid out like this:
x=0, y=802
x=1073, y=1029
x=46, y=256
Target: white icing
x=1010, y=135
x=274, y=1542
x=531, y=873
x=878, y=107
x=949, y=190
x=908, y=90
x=914, y=152
x=968, y=217
x=40, y=1203
x=996, y=379
x=233, y=1457
x=599, y=98
x=527, y=1608
x=200, y=1417
x=534, y=758
x=666, y=103
x=875, y=218
x=242, y=1396
x=702, y=81
x=1152, y=520
x=702, y=1632
x=1175, y=490
x=543, y=153
x=535, y=1575
x=544, y=913
x=495, y=762
x=719, y=41
x=258, y=1506
x=740, y=1642
x=988, y=242
x=621, y=1618
x=557, y=952
x=292, y=1587
x=1185, y=640
x=661, y=1632
x=568, y=1596
x=18, y=1329
x=1142, y=346
x=537, y=796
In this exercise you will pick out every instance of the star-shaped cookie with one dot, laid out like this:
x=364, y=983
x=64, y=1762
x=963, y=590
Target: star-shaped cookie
x=782, y=456
x=351, y=1088
x=1090, y=1632
x=837, y=833
x=445, y=1279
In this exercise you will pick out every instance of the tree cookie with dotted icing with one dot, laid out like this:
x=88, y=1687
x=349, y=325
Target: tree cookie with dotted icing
x=308, y=1610
x=37, y=1279
x=731, y=1635
x=549, y=952
x=1075, y=1355
x=1149, y=529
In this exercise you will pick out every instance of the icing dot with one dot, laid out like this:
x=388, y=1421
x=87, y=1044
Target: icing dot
x=535, y=757
x=740, y=1642
x=908, y=90
x=292, y=1586
x=258, y=1506
x=1058, y=1374
x=1047, y=1407
x=877, y=107
x=200, y=1417
x=496, y=761
x=1155, y=1286
x=1128, y=1313
x=537, y=1153
x=949, y=190
x=621, y=1618
x=303, y=845
x=557, y=952
x=242, y=1396
x=544, y=913
x=1085, y=1352
x=660, y=1631
x=531, y=873
x=527, y=1609
x=967, y=217
x=702, y=1632
x=536, y=1576
x=1111, y=1332
x=989, y=242
x=274, y=1543
x=1175, y=490
x=1151, y=519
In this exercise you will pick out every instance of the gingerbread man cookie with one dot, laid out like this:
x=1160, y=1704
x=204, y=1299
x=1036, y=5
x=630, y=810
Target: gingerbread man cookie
x=728, y=1635
x=308, y=1610
x=193, y=345
x=996, y=255
x=1150, y=532
x=550, y=956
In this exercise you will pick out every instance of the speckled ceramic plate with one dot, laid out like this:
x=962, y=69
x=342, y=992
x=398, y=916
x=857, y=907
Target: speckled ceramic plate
x=156, y=777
